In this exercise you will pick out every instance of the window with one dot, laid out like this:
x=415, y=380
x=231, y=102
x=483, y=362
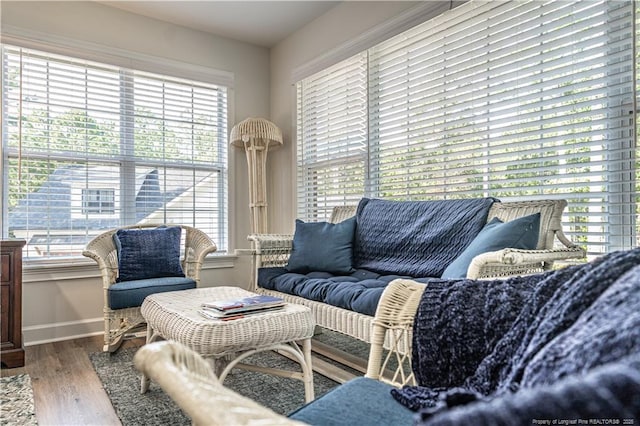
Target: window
x=507, y=99
x=98, y=201
x=89, y=146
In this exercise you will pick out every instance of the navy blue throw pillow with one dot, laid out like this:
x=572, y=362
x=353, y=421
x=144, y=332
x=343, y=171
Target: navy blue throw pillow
x=323, y=246
x=521, y=233
x=148, y=253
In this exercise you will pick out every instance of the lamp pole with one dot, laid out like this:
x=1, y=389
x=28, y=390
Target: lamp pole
x=256, y=151
x=257, y=136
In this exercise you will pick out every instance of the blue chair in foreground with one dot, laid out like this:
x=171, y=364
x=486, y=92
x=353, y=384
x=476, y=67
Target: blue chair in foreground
x=140, y=260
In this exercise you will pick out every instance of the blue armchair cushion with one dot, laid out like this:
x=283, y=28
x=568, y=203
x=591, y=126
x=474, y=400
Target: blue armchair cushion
x=361, y=401
x=148, y=253
x=323, y=247
x=130, y=294
x=521, y=233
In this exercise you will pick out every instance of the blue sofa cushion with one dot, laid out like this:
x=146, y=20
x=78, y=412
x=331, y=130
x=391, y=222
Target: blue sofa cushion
x=359, y=291
x=415, y=238
x=322, y=246
x=148, y=253
x=521, y=233
x=129, y=294
x=360, y=401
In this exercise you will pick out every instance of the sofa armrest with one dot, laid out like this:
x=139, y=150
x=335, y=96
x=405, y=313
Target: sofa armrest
x=508, y=262
x=392, y=329
x=188, y=379
x=270, y=250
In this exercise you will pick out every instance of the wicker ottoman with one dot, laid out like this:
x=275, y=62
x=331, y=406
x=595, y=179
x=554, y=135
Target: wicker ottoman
x=174, y=316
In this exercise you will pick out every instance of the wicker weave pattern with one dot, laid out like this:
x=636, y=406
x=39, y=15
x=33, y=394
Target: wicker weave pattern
x=337, y=319
x=550, y=216
x=274, y=250
x=174, y=315
x=393, y=323
x=117, y=323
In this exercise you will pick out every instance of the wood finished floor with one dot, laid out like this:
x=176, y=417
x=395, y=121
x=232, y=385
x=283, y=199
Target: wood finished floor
x=67, y=390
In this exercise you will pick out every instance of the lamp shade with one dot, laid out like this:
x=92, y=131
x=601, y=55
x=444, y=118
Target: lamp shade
x=255, y=128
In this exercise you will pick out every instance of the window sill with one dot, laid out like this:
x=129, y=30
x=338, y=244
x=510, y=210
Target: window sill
x=81, y=268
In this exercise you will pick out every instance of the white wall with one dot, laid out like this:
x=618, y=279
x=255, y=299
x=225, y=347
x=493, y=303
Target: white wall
x=60, y=303
x=345, y=22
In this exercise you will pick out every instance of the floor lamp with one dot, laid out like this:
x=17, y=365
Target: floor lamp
x=257, y=136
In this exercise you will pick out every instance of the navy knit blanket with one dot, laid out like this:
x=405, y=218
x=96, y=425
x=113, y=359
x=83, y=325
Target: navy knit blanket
x=486, y=339
x=415, y=238
x=604, y=395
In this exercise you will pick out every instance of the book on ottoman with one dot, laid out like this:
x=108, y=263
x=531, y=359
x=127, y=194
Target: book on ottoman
x=225, y=309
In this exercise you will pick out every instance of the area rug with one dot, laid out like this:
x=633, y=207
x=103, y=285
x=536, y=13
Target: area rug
x=16, y=401
x=121, y=381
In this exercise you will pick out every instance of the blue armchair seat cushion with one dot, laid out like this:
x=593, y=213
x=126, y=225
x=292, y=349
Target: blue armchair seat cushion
x=129, y=294
x=360, y=401
x=359, y=291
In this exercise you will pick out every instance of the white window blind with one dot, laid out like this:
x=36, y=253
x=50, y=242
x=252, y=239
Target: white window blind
x=514, y=100
x=89, y=146
x=332, y=138
x=636, y=220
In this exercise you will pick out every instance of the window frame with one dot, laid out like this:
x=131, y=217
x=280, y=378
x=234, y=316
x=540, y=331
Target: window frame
x=139, y=62
x=93, y=203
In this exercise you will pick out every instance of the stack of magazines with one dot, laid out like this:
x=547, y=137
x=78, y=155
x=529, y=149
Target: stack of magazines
x=226, y=310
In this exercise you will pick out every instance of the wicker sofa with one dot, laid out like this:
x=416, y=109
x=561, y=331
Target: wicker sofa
x=271, y=253
x=559, y=345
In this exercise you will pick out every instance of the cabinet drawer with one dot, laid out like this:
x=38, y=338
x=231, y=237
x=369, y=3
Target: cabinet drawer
x=11, y=350
x=4, y=314
x=5, y=268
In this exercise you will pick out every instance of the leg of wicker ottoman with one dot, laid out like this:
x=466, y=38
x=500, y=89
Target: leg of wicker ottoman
x=302, y=356
x=151, y=337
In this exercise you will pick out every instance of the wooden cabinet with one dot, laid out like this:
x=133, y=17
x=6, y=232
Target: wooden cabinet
x=11, y=350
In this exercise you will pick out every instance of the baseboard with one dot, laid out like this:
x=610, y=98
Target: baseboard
x=67, y=330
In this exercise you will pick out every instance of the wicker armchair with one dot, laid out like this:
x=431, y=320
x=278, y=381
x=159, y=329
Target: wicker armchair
x=189, y=380
x=118, y=323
